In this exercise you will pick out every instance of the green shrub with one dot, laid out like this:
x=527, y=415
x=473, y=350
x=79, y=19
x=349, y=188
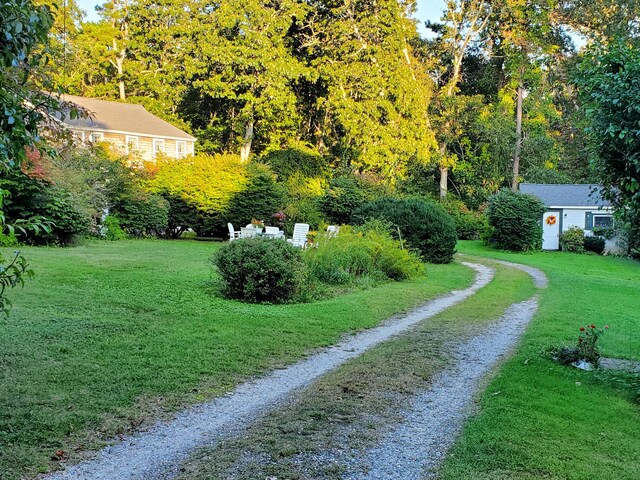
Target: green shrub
x=112, y=229
x=143, y=216
x=469, y=225
x=594, y=244
x=208, y=182
x=261, y=270
x=572, y=240
x=604, y=232
x=368, y=252
x=304, y=210
x=67, y=220
x=33, y=197
x=425, y=226
x=298, y=160
x=515, y=219
x=343, y=197
x=182, y=216
x=260, y=199
x=9, y=240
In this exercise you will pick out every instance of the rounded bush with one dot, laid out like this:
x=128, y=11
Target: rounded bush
x=424, y=226
x=143, y=215
x=572, y=240
x=469, y=224
x=344, y=196
x=515, y=219
x=261, y=198
x=260, y=270
x=594, y=244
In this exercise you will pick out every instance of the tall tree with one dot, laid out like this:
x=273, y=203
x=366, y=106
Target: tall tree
x=602, y=20
x=371, y=94
x=115, y=15
x=245, y=65
x=526, y=34
x=608, y=80
x=463, y=21
x=162, y=53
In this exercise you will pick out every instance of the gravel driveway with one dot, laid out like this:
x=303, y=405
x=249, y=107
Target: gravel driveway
x=155, y=453
x=416, y=447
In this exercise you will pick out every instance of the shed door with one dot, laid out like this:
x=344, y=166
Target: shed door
x=551, y=231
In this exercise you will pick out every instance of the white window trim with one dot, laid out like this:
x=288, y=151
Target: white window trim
x=99, y=135
x=131, y=139
x=184, y=148
x=158, y=141
x=79, y=135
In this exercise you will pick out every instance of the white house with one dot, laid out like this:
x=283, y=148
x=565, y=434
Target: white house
x=568, y=206
x=129, y=128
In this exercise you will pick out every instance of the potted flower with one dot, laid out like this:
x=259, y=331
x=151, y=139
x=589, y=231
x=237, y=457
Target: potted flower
x=257, y=224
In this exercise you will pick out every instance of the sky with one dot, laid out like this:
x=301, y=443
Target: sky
x=427, y=10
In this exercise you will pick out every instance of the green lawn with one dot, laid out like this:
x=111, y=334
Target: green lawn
x=110, y=335
x=541, y=420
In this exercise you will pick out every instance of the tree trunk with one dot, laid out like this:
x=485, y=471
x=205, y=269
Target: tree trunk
x=516, y=155
x=245, y=150
x=120, y=69
x=444, y=177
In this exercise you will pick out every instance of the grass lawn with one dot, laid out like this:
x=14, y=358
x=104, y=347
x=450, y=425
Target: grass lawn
x=112, y=334
x=542, y=420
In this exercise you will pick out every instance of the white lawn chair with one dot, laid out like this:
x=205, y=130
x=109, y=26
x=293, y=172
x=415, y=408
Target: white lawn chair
x=300, y=231
x=332, y=230
x=247, y=232
x=273, y=232
x=233, y=234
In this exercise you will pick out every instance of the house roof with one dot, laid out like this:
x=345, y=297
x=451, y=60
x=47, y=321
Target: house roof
x=120, y=117
x=559, y=195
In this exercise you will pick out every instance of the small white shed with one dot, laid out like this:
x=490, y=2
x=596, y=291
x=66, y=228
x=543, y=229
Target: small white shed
x=579, y=205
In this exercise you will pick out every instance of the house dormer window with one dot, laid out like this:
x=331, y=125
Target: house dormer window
x=131, y=144
x=158, y=146
x=95, y=137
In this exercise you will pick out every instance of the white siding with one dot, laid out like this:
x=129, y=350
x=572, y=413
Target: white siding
x=573, y=218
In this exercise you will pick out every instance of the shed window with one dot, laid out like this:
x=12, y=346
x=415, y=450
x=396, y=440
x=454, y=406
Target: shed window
x=602, y=221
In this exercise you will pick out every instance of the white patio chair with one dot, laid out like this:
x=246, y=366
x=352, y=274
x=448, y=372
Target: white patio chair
x=300, y=231
x=233, y=234
x=273, y=232
x=332, y=230
x=247, y=232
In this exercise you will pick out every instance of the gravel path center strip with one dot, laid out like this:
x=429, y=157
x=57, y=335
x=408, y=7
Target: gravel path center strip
x=155, y=453
x=415, y=448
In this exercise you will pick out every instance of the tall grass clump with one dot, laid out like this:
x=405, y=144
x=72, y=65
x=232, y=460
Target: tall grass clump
x=367, y=254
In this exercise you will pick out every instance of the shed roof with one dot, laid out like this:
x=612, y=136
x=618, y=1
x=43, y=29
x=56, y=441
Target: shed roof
x=122, y=117
x=561, y=195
